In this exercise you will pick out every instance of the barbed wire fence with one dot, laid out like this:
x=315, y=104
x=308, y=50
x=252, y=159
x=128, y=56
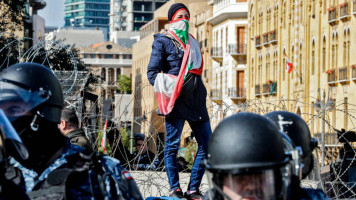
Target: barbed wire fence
x=339, y=159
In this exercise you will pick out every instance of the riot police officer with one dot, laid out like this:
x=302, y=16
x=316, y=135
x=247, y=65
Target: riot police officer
x=32, y=99
x=298, y=131
x=247, y=160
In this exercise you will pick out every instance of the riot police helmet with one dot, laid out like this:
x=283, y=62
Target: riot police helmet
x=247, y=150
x=298, y=131
x=32, y=87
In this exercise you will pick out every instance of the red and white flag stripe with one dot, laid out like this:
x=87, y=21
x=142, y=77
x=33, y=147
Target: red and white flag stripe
x=289, y=66
x=103, y=141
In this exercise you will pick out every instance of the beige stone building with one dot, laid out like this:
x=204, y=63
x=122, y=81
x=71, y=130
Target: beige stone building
x=229, y=57
x=204, y=37
x=108, y=60
x=145, y=117
x=317, y=37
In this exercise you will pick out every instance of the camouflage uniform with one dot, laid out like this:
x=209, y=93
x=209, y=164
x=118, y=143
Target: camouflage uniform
x=79, y=138
x=75, y=176
x=146, y=161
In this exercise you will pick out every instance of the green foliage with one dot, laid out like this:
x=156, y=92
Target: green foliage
x=126, y=141
x=191, y=147
x=124, y=84
x=13, y=15
x=9, y=51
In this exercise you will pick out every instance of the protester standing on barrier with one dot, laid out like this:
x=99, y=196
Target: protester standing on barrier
x=180, y=94
x=69, y=126
x=298, y=131
x=31, y=97
x=247, y=160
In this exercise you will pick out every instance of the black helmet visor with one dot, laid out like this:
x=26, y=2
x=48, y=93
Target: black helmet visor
x=16, y=101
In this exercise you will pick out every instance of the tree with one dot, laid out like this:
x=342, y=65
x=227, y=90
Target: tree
x=9, y=51
x=58, y=56
x=124, y=84
x=54, y=54
x=189, y=153
x=13, y=13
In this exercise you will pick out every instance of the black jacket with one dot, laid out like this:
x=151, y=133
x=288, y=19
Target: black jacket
x=79, y=138
x=167, y=57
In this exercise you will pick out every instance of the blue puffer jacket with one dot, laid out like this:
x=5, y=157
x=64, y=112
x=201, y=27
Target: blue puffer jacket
x=168, y=58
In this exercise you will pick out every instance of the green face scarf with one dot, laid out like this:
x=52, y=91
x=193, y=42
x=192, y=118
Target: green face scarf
x=181, y=30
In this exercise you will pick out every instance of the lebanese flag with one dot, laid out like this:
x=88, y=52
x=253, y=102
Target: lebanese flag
x=167, y=87
x=103, y=141
x=289, y=66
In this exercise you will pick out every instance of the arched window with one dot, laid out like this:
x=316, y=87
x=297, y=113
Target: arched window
x=313, y=58
x=348, y=47
x=284, y=64
x=268, y=70
x=324, y=54
x=259, y=70
x=260, y=23
x=300, y=64
x=346, y=116
x=275, y=73
x=252, y=72
x=284, y=13
x=336, y=52
x=293, y=59
x=268, y=19
x=275, y=18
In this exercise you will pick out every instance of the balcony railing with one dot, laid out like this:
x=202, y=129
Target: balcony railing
x=141, y=19
x=332, y=15
x=273, y=37
x=257, y=90
x=237, y=93
x=237, y=49
x=216, y=94
x=265, y=39
x=330, y=138
x=265, y=89
x=344, y=11
x=331, y=76
x=353, y=72
x=343, y=75
x=258, y=42
x=216, y=52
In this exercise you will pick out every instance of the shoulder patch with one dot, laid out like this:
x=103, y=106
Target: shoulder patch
x=127, y=175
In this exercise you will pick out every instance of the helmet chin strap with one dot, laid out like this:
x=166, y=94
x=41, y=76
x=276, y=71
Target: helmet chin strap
x=35, y=123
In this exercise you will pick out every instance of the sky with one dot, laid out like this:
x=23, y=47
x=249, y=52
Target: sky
x=53, y=13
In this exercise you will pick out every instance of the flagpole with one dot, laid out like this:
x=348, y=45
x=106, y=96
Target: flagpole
x=296, y=71
x=289, y=62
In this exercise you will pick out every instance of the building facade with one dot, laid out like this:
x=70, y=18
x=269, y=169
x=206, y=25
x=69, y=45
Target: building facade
x=30, y=24
x=109, y=62
x=317, y=38
x=203, y=31
x=78, y=36
x=87, y=13
x=128, y=15
x=229, y=54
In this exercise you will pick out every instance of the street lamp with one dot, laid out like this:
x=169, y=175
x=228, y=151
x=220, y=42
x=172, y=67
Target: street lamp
x=321, y=106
